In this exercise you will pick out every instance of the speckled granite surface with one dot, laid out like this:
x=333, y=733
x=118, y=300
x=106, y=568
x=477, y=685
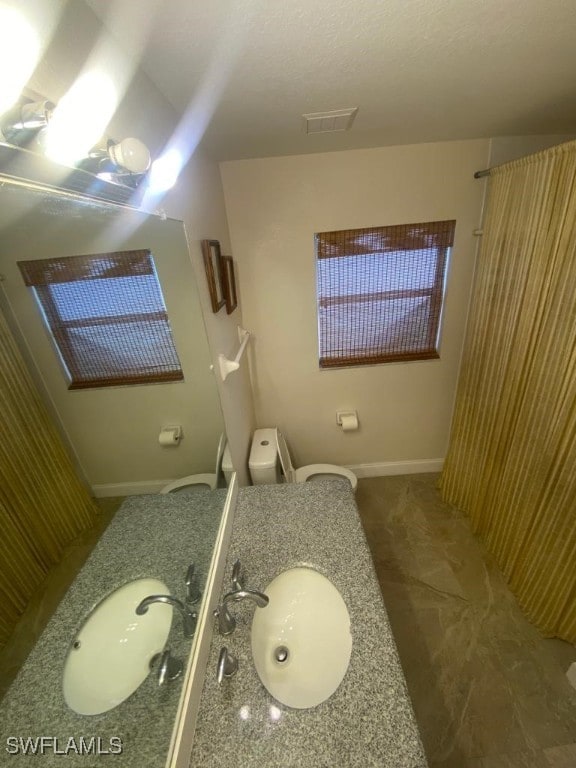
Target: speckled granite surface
x=369, y=720
x=150, y=536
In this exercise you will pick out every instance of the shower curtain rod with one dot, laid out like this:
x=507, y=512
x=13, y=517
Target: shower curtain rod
x=481, y=174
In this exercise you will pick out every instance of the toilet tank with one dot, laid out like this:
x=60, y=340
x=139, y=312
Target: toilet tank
x=264, y=463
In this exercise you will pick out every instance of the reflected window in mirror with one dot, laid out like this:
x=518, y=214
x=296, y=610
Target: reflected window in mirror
x=107, y=317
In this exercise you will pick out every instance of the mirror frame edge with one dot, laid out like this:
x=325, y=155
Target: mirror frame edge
x=182, y=740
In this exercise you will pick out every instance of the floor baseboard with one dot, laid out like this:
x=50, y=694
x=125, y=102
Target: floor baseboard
x=378, y=469
x=384, y=468
x=128, y=489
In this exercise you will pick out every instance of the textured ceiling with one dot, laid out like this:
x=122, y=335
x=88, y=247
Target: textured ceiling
x=244, y=71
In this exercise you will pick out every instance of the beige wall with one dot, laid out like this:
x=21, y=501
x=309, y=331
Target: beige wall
x=73, y=35
x=504, y=149
x=274, y=208
x=204, y=215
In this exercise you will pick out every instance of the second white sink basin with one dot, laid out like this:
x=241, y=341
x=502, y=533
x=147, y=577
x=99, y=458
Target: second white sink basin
x=301, y=642
x=110, y=656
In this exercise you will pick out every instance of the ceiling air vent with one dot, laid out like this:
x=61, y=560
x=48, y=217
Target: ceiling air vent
x=329, y=122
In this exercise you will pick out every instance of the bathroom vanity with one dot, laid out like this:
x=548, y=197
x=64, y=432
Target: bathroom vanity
x=151, y=536
x=369, y=720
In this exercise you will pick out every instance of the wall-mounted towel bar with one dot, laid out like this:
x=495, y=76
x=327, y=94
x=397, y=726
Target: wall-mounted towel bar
x=229, y=366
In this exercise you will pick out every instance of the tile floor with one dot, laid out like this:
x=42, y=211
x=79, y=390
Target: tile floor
x=488, y=691
x=44, y=602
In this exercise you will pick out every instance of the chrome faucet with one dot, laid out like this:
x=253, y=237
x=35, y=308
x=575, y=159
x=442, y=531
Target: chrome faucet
x=193, y=593
x=169, y=667
x=226, y=622
x=188, y=617
x=227, y=665
x=237, y=578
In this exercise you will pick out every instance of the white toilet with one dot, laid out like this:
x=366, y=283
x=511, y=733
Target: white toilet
x=270, y=460
x=209, y=480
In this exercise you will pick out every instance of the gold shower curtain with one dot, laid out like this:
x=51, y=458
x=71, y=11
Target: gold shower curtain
x=511, y=463
x=43, y=504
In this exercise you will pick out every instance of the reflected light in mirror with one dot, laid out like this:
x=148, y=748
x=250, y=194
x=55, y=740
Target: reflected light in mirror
x=81, y=118
x=19, y=53
x=164, y=171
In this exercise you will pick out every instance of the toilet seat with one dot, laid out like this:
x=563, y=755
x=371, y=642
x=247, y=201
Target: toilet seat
x=209, y=479
x=303, y=474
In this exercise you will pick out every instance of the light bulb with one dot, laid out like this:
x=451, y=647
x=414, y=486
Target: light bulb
x=130, y=154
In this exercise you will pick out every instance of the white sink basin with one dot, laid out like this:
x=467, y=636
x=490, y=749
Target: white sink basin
x=110, y=656
x=301, y=642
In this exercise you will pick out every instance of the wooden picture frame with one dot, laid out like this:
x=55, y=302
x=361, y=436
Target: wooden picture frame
x=229, y=284
x=213, y=267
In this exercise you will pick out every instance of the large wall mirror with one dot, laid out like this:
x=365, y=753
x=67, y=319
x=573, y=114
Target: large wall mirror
x=113, y=433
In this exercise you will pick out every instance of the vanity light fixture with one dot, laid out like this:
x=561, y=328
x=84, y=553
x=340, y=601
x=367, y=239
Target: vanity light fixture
x=21, y=123
x=29, y=124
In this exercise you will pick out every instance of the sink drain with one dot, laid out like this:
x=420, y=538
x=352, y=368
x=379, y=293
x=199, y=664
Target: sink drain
x=281, y=654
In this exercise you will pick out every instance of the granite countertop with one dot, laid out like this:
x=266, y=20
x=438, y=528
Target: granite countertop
x=150, y=536
x=369, y=720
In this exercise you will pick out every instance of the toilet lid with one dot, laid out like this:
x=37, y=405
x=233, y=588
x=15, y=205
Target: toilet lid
x=285, y=460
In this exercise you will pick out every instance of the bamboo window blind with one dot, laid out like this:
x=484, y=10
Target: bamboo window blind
x=380, y=292
x=107, y=317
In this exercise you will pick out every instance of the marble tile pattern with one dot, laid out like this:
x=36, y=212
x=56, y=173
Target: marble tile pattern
x=369, y=720
x=150, y=536
x=487, y=689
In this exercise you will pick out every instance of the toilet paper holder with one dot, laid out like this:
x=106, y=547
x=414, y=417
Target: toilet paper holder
x=170, y=436
x=348, y=420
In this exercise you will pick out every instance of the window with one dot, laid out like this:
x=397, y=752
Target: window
x=380, y=292
x=107, y=318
